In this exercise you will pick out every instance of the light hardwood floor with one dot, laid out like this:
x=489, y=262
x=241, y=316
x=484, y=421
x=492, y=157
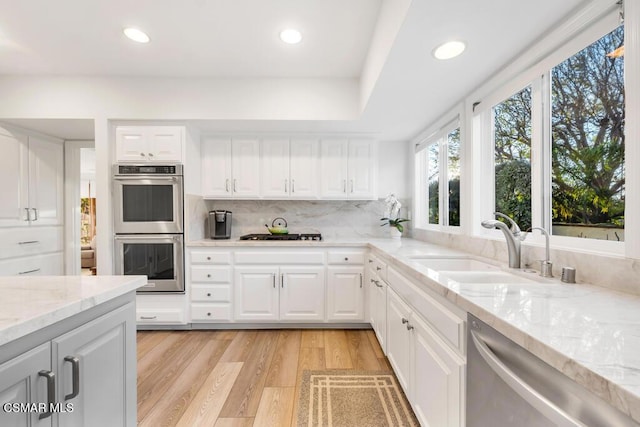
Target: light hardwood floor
x=240, y=378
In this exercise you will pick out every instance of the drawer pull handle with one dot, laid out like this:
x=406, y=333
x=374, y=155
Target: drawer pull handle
x=346, y=258
x=51, y=392
x=370, y=261
x=208, y=294
x=148, y=317
x=208, y=258
x=404, y=321
x=209, y=314
x=150, y=154
x=142, y=154
x=29, y=271
x=29, y=242
x=75, y=375
x=209, y=275
x=361, y=280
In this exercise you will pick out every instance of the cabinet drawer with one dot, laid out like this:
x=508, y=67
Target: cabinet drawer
x=211, y=312
x=207, y=257
x=217, y=293
x=210, y=274
x=298, y=257
x=163, y=315
x=444, y=321
x=346, y=257
x=17, y=242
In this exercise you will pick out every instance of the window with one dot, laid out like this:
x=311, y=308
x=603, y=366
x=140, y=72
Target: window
x=587, y=141
x=512, y=157
x=438, y=175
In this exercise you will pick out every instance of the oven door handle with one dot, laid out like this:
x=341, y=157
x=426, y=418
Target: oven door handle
x=147, y=178
x=517, y=384
x=149, y=237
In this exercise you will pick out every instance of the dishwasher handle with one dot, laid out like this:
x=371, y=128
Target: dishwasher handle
x=528, y=393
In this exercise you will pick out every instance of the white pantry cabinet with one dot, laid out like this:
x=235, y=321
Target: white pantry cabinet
x=157, y=144
x=31, y=171
x=90, y=367
x=230, y=168
x=274, y=293
x=348, y=169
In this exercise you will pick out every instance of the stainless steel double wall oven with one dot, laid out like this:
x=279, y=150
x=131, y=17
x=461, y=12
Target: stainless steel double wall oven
x=149, y=224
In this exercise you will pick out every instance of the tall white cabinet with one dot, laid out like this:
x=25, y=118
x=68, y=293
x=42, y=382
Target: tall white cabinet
x=31, y=203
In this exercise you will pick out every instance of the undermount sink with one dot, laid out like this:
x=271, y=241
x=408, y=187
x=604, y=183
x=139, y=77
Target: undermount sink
x=495, y=277
x=454, y=264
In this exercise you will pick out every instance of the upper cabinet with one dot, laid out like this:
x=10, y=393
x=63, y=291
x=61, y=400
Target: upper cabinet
x=348, y=169
x=230, y=168
x=142, y=144
x=288, y=168
x=31, y=169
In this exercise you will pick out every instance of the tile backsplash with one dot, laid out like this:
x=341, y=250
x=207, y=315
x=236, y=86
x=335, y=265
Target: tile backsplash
x=332, y=218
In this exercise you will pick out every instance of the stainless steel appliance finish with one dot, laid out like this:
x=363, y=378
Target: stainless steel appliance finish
x=304, y=236
x=508, y=386
x=148, y=199
x=159, y=257
x=219, y=224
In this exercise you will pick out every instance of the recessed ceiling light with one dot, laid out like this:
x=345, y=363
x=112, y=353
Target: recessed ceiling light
x=290, y=36
x=449, y=50
x=136, y=35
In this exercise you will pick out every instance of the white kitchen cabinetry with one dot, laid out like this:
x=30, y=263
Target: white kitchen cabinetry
x=279, y=293
x=91, y=366
x=424, y=352
x=377, y=299
x=348, y=169
x=31, y=170
x=209, y=276
x=289, y=168
x=230, y=168
x=158, y=144
x=345, y=286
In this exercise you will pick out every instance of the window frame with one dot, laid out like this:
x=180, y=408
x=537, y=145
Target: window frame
x=538, y=77
x=443, y=128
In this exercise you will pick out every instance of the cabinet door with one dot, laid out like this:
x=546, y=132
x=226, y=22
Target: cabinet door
x=333, y=168
x=303, y=168
x=14, y=173
x=302, y=293
x=362, y=169
x=437, y=379
x=131, y=144
x=275, y=168
x=246, y=168
x=398, y=339
x=46, y=175
x=216, y=167
x=20, y=382
x=164, y=143
x=345, y=289
x=256, y=293
x=101, y=350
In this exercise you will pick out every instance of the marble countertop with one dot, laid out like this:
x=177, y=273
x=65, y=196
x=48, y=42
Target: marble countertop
x=589, y=333
x=235, y=242
x=32, y=303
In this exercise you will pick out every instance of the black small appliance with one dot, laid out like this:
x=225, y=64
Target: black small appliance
x=219, y=224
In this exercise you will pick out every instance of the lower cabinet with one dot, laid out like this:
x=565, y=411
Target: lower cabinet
x=428, y=370
x=279, y=293
x=88, y=374
x=345, y=287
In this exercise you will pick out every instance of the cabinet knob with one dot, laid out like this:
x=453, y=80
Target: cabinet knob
x=208, y=275
x=208, y=294
x=409, y=327
x=142, y=154
x=370, y=261
x=378, y=268
x=346, y=258
x=404, y=321
x=209, y=314
x=208, y=258
x=150, y=154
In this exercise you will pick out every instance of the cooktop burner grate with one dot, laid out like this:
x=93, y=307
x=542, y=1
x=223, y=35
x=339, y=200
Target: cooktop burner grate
x=304, y=236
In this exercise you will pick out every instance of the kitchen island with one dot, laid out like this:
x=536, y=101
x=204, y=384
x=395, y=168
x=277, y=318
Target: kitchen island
x=68, y=350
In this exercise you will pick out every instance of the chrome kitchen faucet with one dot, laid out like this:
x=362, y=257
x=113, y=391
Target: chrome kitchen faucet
x=513, y=236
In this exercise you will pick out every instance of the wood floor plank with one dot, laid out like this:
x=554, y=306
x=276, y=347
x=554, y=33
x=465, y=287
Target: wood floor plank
x=384, y=364
x=312, y=338
x=149, y=341
x=282, y=372
x=310, y=359
x=245, y=395
x=240, y=347
x=175, y=400
x=153, y=387
x=156, y=357
x=336, y=349
x=374, y=343
x=206, y=405
x=226, y=334
x=234, y=422
x=362, y=354
x=276, y=407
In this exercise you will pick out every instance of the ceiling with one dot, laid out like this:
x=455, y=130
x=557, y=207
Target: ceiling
x=235, y=39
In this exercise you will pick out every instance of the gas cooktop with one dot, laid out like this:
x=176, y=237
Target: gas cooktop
x=305, y=236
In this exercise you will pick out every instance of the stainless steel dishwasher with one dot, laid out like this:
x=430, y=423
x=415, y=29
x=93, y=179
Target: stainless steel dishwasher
x=508, y=386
